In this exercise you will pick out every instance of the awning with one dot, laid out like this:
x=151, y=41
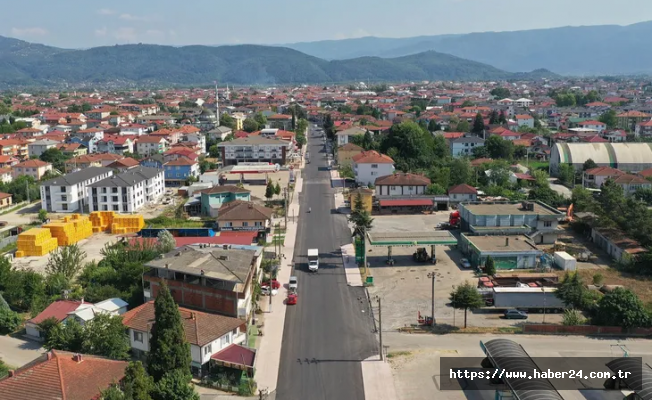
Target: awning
x=235, y=356
x=406, y=203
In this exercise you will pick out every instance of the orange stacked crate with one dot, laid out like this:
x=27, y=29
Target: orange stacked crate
x=36, y=242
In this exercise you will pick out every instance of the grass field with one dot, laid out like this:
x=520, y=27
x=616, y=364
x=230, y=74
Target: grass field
x=534, y=164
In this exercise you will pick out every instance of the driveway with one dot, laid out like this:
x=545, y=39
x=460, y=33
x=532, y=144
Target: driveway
x=561, y=189
x=18, y=352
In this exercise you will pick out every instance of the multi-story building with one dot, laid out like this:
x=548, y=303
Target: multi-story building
x=69, y=193
x=629, y=119
x=148, y=145
x=524, y=120
x=346, y=153
x=34, y=168
x=344, y=137
x=241, y=215
x=128, y=191
x=88, y=137
x=212, y=199
x=371, y=165
x=212, y=279
x=180, y=170
x=401, y=184
x=115, y=144
x=35, y=149
x=535, y=219
x=596, y=177
x=463, y=147
x=632, y=183
x=255, y=149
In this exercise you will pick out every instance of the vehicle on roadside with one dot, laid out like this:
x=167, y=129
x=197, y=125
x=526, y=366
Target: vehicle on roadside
x=313, y=260
x=293, y=284
x=275, y=284
x=292, y=299
x=530, y=299
x=266, y=291
x=465, y=263
x=515, y=314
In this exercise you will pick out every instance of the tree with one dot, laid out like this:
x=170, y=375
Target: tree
x=105, y=336
x=463, y=126
x=67, y=261
x=493, y=117
x=249, y=125
x=166, y=242
x=45, y=327
x=137, y=384
x=301, y=139
x=214, y=151
x=227, y=120
x=169, y=351
x=55, y=157
x=174, y=385
x=260, y=119
x=566, y=174
x=572, y=317
x=269, y=190
x=435, y=189
x=489, y=266
x=502, y=119
x=497, y=147
x=113, y=392
x=621, y=307
x=500, y=93
x=582, y=199
x=9, y=321
x=461, y=171
x=480, y=152
x=277, y=189
x=573, y=292
x=466, y=297
x=478, y=123
x=609, y=118
x=66, y=337
x=589, y=164
x=42, y=215
x=361, y=219
x=433, y=126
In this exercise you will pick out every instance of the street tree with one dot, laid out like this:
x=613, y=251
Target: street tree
x=466, y=297
x=169, y=351
x=67, y=261
x=362, y=221
x=277, y=189
x=269, y=190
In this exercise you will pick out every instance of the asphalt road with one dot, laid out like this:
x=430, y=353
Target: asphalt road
x=330, y=331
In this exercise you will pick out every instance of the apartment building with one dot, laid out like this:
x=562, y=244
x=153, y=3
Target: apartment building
x=68, y=193
x=128, y=191
x=255, y=149
x=34, y=168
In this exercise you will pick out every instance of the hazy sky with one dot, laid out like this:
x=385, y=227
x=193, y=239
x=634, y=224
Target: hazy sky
x=83, y=23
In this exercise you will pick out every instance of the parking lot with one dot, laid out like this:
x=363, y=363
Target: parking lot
x=405, y=288
x=256, y=182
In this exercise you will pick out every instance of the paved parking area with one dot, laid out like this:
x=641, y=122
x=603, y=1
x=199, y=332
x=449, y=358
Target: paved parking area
x=406, y=289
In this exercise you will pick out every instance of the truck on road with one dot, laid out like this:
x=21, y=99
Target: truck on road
x=313, y=260
x=532, y=299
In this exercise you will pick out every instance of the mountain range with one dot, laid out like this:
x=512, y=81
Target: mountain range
x=28, y=64
x=583, y=50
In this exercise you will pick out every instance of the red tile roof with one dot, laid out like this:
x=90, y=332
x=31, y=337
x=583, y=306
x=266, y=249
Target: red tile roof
x=405, y=202
x=58, y=376
x=372, y=157
x=604, y=171
x=631, y=179
x=463, y=189
x=58, y=309
x=240, y=238
x=236, y=354
x=403, y=179
x=181, y=161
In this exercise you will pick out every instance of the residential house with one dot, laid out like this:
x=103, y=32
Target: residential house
x=212, y=199
x=215, y=280
x=596, y=177
x=463, y=146
x=629, y=119
x=15, y=147
x=370, y=165
x=523, y=103
x=524, y=120
x=506, y=134
x=58, y=310
x=73, y=149
x=593, y=125
x=35, y=149
x=614, y=135
x=6, y=175
x=255, y=149
x=88, y=137
x=344, y=136
x=30, y=133
x=87, y=311
x=643, y=128
x=535, y=219
x=68, y=193
x=133, y=130
x=58, y=375
x=6, y=199
x=462, y=193
x=153, y=161
x=241, y=215
x=616, y=243
x=632, y=183
x=198, y=139
x=124, y=164
x=148, y=145
x=115, y=144
x=207, y=334
x=346, y=153
x=128, y=191
x=178, y=171
x=401, y=184
x=280, y=121
x=34, y=168
x=220, y=132
x=8, y=161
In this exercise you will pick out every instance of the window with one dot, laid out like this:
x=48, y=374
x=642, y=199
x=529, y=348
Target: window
x=64, y=207
x=374, y=173
x=547, y=224
x=104, y=198
x=64, y=198
x=374, y=165
x=257, y=223
x=114, y=190
x=114, y=198
x=208, y=349
x=116, y=208
x=138, y=337
x=62, y=188
x=245, y=223
x=228, y=224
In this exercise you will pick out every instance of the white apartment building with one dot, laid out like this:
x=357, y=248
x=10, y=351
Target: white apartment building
x=128, y=191
x=255, y=149
x=148, y=145
x=68, y=193
x=371, y=165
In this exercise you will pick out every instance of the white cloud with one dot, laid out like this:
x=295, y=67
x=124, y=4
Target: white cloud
x=29, y=31
x=131, y=17
x=125, y=34
x=105, y=11
x=101, y=32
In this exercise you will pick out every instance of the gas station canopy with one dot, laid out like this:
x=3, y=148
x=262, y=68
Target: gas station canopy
x=380, y=239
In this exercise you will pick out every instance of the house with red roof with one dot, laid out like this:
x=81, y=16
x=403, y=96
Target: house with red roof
x=632, y=183
x=643, y=128
x=596, y=177
x=371, y=165
x=179, y=170
x=594, y=125
x=58, y=310
x=33, y=168
x=629, y=119
x=8, y=161
x=462, y=193
x=60, y=375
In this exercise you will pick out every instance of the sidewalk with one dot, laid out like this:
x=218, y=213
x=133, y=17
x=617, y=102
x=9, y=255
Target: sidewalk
x=351, y=269
x=268, y=357
x=378, y=379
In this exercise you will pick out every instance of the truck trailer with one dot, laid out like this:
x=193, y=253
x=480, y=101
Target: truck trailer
x=313, y=260
x=532, y=299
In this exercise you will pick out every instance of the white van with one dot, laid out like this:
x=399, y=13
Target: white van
x=313, y=260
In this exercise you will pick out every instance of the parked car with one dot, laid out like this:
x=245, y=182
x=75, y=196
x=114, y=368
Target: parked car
x=275, y=284
x=465, y=263
x=265, y=291
x=515, y=314
x=293, y=284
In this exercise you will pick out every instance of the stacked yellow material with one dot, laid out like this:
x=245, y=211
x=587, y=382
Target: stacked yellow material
x=71, y=229
x=101, y=220
x=36, y=242
x=127, y=223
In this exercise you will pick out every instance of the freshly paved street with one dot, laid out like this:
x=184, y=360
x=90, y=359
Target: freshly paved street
x=330, y=331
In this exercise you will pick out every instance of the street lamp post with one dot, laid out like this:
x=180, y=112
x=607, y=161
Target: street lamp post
x=432, y=276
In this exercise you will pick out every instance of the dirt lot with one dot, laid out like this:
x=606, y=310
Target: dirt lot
x=406, y=289
x=92, y=246
x=256, y=182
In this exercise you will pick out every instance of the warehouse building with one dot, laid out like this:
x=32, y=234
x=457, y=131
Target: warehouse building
x=532, y=218
x=629, y=157
x=508, y=252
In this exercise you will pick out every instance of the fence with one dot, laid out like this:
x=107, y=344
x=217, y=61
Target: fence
x=8, y=240
x=584, y=330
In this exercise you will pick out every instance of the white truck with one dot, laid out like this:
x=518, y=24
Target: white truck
x=532, y=299
x=313, y=260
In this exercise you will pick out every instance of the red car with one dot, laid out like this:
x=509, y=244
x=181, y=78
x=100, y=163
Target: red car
x=275, y=284
x=292, y=299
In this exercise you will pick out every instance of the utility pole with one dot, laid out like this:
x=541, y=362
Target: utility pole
x=285, y=200
x=432, y=276
x=380, y=328
x=27, y=191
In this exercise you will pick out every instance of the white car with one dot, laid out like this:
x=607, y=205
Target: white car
x=465, y=263
x=266, y=291
x=293, y=284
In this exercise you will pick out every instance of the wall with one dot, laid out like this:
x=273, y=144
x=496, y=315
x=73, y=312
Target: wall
x=142, y=346
x=584, y=330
